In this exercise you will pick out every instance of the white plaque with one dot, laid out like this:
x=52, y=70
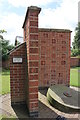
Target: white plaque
x=17, y=60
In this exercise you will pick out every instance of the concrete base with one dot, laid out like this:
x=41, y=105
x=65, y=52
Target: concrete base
x=66, y=103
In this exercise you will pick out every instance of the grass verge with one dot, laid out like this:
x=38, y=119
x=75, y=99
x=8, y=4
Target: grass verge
x=5, y=82
x=75, y=76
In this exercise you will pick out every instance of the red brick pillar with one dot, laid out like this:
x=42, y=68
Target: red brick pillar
x=69, y=57
x=31, y=37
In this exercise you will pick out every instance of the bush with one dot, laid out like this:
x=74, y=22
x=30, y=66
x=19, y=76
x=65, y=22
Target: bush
x=75, y=52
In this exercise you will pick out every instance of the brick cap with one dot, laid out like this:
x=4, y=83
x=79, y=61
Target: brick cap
x=55, y=30
x=34, y=8
x=28, y=9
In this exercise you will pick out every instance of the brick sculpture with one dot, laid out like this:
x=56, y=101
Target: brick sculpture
x=45, y=56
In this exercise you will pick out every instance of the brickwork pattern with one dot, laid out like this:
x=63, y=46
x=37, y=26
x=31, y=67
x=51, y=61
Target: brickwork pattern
x=18, y=75
x=74, y=62
x=46, y=61
x=54, y=57
x=31, y=39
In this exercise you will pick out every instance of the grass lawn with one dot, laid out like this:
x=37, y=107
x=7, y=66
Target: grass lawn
x=75, y=77
x=5, y=82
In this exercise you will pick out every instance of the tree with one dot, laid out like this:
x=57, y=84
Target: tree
x=76, y=43
x=5, y=47
x=74, y=52
x=2, y=31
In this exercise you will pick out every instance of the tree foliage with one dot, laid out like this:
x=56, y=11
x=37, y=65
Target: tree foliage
x=75, y=52
x=5, y=47
x=76, y=43
x=3, y=31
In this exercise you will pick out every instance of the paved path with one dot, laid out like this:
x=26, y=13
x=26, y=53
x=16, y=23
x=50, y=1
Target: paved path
x=75, y=88
x=45, y=109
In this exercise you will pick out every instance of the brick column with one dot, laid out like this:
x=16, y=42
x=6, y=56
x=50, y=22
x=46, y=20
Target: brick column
x=69, y=57
x=31, y=37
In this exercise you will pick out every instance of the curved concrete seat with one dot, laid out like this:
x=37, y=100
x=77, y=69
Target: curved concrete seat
x=69, y=102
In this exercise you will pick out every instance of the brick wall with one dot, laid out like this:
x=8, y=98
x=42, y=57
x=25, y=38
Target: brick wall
x=54, y=57
x=31, y=38
x=18, y=75
x=5, y=64
x=46, y=61
x=74, y=62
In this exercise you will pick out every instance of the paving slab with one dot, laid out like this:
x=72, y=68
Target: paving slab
x=45, y=109
x=75, y=88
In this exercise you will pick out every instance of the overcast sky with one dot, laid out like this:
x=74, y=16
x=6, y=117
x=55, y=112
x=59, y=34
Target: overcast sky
x=61, y=14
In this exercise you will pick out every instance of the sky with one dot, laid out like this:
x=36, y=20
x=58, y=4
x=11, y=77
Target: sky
x=60, y=14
